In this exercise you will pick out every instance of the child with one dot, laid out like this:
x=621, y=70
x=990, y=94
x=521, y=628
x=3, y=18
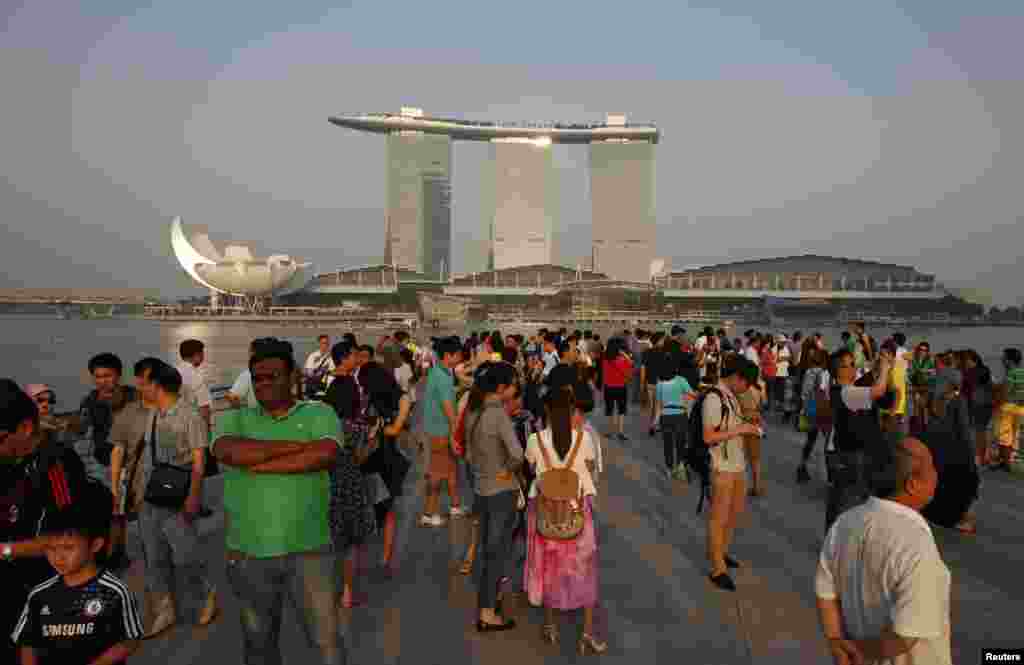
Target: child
x=84, y=614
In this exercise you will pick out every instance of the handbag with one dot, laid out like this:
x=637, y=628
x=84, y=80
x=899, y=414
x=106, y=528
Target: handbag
x=168, y=485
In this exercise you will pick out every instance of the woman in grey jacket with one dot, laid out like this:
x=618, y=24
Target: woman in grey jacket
x=494, y=455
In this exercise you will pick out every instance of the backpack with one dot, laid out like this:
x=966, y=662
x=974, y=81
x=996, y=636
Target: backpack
x=697, y=456
x=559, y=492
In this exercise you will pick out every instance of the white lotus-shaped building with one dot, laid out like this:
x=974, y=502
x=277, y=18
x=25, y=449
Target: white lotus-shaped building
x=235, y=271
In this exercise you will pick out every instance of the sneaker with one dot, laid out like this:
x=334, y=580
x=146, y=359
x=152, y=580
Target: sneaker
x=435, y=520
x=426, y=520
x=209, y=611
x=164, y=616
x=457, y=511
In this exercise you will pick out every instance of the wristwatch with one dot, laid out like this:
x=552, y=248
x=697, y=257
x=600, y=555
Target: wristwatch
x=7, y=552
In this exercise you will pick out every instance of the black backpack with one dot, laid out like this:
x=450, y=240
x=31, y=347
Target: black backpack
x=697, y=457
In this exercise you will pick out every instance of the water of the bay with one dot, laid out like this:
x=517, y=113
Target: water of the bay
x=53, y=351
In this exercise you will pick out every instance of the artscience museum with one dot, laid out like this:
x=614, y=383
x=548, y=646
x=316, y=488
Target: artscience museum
x=235, y=271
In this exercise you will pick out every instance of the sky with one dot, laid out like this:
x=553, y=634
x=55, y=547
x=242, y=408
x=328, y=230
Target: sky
x=879, y=130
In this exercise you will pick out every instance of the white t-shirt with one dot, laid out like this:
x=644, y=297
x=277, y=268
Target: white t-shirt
x=586, y=452
x=242, y=389
x=857, y=398
x=750, y=353
x=782, y=361
x=403, y=375
x=193, y=386
x=881, y=562
x=314, y=360
x=729, y=455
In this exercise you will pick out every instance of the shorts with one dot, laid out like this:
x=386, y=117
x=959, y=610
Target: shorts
x=615, y=397
x=442, y=462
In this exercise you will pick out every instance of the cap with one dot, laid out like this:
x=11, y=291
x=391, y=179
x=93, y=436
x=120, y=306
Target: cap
x=35, y=389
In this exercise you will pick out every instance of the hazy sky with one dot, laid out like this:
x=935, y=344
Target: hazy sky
x=855, y=129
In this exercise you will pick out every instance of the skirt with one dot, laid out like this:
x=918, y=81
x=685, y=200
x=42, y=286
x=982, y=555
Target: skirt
x=561, y=574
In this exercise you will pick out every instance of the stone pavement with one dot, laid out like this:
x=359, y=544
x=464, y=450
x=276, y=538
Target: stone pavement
x=656, y=605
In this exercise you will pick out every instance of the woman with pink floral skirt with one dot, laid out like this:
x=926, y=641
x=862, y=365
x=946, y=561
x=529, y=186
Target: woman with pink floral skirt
x=563, y=574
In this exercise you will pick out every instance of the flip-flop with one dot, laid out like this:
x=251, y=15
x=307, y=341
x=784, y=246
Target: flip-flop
x=466, y=568
x=357, y=600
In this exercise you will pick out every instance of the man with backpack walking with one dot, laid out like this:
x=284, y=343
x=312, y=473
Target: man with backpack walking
x=717, y=455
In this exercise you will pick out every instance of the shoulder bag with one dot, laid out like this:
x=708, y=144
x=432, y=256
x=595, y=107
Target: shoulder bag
x=168, y=485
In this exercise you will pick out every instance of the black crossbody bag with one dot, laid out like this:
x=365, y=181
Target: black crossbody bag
x=168, y=485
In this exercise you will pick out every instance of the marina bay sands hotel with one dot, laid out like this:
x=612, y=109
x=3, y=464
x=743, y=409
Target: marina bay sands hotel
x=520, y=190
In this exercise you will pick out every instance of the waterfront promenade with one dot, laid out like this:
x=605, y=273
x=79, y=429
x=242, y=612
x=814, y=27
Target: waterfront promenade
x=656, y=605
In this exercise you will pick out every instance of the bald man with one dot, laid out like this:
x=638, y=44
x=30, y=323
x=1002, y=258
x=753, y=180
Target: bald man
x=883, y=590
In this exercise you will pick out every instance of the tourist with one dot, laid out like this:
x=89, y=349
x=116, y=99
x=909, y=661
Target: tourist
x=816, y=411
x=241, y=391
x=494, y=455
x=651, y=369
x=922, y=373
x=318, y=371
x=1010, y=413
x=40, y=476
x=894, y=417
x=177, y=437
x=563, y=574
x=129, y=434
x=617, y=368
x=674, y=396
x=883, y=590
x=550, y=354
x=769, y=370
x=785, y=395
x=390, y=406
x=350, y=523
x=856, y=425
x=948, y=437
x=104, y=402
x=439, y=425
x=567, y=371
x=405, y=375
x=978, y=390
x=752, y=403
x=724, y=429
x=194, y=387
x=83, y=595
x=282, y=449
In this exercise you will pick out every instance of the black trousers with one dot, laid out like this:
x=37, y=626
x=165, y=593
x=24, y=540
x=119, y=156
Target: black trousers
x=849, y=486
x=674, y=434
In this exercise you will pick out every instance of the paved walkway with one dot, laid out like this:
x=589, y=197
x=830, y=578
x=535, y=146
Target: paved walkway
x=656, y=603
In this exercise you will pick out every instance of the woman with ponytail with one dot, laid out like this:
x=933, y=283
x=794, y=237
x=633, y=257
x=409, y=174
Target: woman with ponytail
x=493, y=454
x=562, y=574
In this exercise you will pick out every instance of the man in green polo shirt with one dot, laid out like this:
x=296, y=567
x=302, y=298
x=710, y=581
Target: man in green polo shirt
x=438, y=425
x=276, y=496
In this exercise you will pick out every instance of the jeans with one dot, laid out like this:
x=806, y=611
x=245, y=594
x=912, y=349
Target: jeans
x=674, y=433
x=498, y=515
x=311, y=584
x=163, y=552
x=849, y=485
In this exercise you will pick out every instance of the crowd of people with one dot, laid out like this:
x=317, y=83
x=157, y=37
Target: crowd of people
x=333, y=440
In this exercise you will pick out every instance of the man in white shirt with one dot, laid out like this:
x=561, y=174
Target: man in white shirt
x=550, y=355
x=194, y=389
x=318, y=371
x=883, y=590
x=241, y=390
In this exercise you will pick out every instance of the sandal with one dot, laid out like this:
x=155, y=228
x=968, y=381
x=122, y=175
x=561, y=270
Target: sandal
x=967, y=528
x=466, y=568
x=355, y=600
x=550, y=633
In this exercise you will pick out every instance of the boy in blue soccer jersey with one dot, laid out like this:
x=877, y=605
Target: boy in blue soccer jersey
x=84, y=614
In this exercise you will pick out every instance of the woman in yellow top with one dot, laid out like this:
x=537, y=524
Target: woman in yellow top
x=894, y=419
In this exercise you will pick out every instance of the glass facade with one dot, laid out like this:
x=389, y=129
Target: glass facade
x=525, y=201
x=622, y=196
x=418, y=214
